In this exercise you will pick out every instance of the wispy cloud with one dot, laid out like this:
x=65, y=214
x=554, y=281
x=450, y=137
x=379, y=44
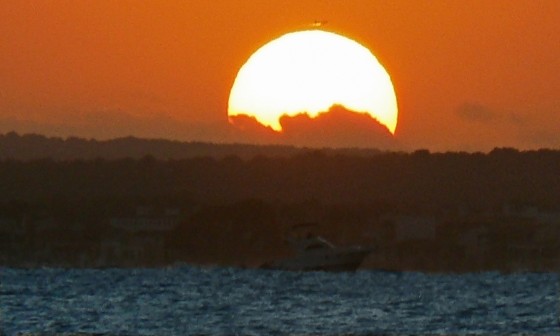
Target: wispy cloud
x=476, y=112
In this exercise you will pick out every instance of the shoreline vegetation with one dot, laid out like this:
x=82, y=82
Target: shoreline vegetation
x=152, y=203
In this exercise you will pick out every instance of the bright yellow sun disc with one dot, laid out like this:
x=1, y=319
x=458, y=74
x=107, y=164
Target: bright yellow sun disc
x=308, y=72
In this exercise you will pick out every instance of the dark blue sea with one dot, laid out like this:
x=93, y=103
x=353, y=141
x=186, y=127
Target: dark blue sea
x=226, y=301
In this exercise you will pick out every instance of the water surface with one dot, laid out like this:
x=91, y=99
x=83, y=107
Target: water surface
x=224, y=301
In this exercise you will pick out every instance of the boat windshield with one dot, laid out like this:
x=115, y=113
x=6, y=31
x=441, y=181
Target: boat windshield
x=316, y=246
x=316, y=243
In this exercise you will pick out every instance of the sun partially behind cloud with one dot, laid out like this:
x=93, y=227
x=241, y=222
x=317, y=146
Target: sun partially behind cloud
x=309, y=72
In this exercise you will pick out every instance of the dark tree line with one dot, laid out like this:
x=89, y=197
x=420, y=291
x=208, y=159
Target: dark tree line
x=419, y=181
x=34, y=146
x=237, y=210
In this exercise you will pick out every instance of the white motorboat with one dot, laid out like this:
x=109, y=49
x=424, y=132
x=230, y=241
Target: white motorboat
x=314, y=253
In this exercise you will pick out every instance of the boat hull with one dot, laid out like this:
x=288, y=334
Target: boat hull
x=336, y=261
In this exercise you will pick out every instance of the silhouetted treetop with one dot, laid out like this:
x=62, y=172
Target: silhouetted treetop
x=421, y=180
x=33, y=146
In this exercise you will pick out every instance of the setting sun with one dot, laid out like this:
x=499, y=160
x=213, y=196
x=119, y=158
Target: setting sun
x=308, y=72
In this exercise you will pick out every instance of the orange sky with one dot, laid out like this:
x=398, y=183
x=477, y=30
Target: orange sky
x=469, y=75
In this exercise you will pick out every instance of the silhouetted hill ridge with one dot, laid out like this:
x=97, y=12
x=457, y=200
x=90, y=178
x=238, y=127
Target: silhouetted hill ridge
x=34, y=146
